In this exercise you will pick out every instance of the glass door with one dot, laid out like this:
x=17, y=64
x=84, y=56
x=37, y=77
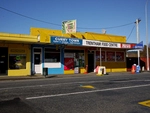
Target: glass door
x=37, y=63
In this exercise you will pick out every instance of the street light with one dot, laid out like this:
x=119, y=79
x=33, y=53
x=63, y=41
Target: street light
x=147, y=34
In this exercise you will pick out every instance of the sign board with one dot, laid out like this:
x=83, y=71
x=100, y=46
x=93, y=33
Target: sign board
x=68, y=55
x=69, y=26
x=125, y=45
x=101, y=44
x=76, y=70
x=139, y=45
x=63, y=40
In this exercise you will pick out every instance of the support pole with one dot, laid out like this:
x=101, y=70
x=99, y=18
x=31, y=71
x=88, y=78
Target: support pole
x=146, y=17
x=100, y=60
x=138, y=39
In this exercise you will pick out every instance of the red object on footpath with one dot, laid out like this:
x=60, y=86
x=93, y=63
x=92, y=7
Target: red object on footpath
x=133, y=69
x=97, y=69
x=86, y=68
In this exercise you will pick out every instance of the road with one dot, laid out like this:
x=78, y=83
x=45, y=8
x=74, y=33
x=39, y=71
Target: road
x=90, y=94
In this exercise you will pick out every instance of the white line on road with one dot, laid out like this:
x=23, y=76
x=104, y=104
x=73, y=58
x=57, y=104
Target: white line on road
x=85, y=92
x=82, y=82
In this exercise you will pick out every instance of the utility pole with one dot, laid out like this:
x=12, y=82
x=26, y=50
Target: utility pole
x=146, y=17
x=138, y=38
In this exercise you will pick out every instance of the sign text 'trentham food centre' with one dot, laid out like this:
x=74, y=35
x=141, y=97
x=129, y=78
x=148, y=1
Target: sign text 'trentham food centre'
x=101, y=44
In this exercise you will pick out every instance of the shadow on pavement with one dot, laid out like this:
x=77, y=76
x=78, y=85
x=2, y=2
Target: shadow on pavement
x=17, y=105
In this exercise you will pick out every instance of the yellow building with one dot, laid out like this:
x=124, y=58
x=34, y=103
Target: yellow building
x=57, y=53
x=75, y=57
x=15, y=49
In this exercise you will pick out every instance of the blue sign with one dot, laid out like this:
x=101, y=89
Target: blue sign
x=139, y=45
x=63, y=40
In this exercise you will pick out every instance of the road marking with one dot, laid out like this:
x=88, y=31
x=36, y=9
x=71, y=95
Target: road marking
x=82, y=82
x=85, y=92
x=87, y=86
x=145, y=103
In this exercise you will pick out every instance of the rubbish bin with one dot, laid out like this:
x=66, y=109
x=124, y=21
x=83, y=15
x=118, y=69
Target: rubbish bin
x=45, y=71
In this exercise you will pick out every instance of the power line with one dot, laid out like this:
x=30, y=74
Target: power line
x=108, y=27
x=130, y=33
x=29, y=17
x=59, y=24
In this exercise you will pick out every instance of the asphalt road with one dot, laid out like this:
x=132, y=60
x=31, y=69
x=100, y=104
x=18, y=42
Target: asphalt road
x=90, y=94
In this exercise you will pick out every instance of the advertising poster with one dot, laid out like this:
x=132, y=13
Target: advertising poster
x=119, y=56
x=68, y=63
x=102, y=55
x=110, y=56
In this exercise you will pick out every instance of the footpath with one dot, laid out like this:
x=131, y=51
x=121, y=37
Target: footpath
x=5, y=77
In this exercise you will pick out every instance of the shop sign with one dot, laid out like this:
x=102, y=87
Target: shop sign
x=125, y=45
x=139, y=45
x=101, y=44
x=68, y=55
x=17, y=50
x=63, y=40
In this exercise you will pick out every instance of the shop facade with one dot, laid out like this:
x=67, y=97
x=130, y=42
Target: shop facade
x=80, y=53
x=15, y=54
x=55, y=57
x=71, y=56
x=15, y=59
x=47, y=56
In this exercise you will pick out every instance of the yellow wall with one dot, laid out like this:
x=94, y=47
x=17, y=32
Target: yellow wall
x=24, y=49
x=118, y=66
x=18, y=37
x=105, y=37
x=110, y=66
x=114, y=66
x=46, y=33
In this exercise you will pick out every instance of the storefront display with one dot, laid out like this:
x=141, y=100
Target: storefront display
x=102, y=56
x=120, y=56
x=77, y=56
x=69, y=64
x=17, y=61
x=110, y=56
x=52, y=55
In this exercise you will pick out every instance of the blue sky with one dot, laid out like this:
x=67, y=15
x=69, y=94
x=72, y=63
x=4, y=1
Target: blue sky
x=88, y=13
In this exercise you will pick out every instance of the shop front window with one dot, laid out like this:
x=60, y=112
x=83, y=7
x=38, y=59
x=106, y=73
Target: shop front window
x=102, y=56
x=17, y=61
x=120, y=56
x=52, y=55
x=77, y=56
x=110, y=56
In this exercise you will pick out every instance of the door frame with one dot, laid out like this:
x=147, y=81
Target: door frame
x=92, y=53
x=7, y=61
x=41, y=72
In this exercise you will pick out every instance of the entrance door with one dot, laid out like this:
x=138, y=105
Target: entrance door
x=90, y=62
x=3, y=60
x=37, y=63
